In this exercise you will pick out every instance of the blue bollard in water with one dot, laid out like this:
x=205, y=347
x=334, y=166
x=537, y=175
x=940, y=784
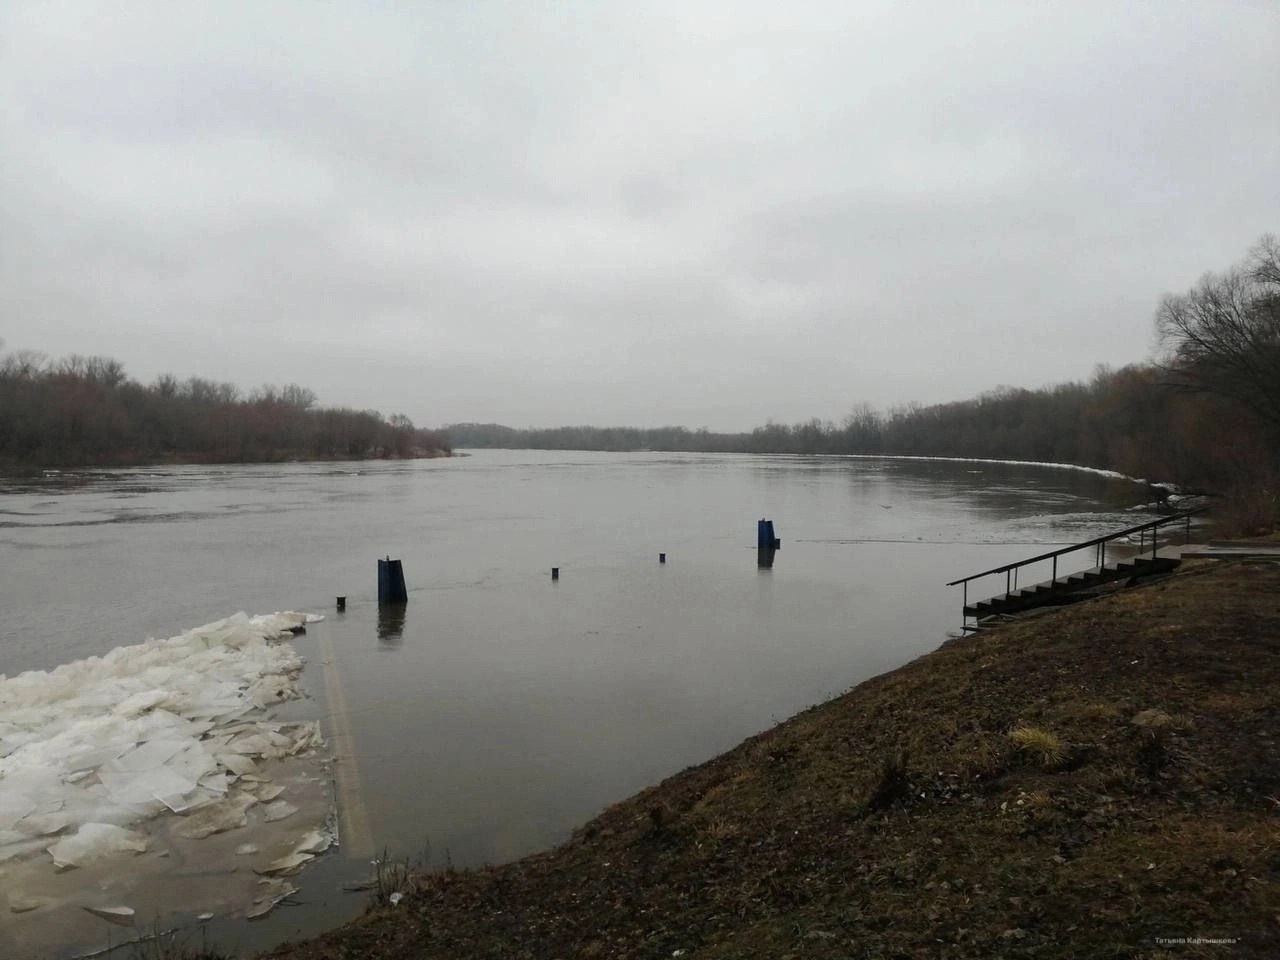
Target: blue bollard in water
x=391, y=587
x=765, y=540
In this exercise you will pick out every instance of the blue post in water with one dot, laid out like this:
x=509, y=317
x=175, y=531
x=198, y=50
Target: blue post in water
x=391, y=587
x=765, y=540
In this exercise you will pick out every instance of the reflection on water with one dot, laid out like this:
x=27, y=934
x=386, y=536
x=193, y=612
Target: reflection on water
x=391, y=617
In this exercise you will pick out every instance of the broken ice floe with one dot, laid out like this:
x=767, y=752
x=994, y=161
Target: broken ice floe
x=278, y=811
x=274, y=890
x=93, y=841
x=123, y=916
x=312, y=844
x=94, y=747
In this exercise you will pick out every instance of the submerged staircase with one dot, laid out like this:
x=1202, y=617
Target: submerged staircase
x=1061, y=589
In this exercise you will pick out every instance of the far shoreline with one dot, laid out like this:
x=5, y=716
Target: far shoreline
x=14, y=469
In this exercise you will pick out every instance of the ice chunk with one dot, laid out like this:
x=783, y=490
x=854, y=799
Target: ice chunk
x=260, y=908
x=245, y=849
x=197, y=798
x=278, y=811
x=21, y=849
x=306, y=736
x=237, y=763
x=13, y=807
x=122, y=916
x=216, y=817
x=104, y=743
x=249, y=744
x=21, y=903
x=147, y=756
x=217, y=782
x=274, y=891
x=42, y=824
x=314, y=841
x=288, y=864
x=141, y=788
x=269, y=792
x=94, y=841
x=193, y=763
x=139, y=703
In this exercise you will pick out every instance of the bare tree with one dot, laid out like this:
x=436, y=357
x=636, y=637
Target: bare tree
x=1223, y=335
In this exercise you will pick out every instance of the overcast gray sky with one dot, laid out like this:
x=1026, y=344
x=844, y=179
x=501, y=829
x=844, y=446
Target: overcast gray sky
x=608, y=212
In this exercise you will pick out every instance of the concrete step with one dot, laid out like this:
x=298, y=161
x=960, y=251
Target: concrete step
x=1039, y=594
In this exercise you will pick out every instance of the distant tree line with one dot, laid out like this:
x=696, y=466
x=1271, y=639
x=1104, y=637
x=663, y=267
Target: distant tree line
x=1205, y=415
x=1124, y=420
x=82, y=411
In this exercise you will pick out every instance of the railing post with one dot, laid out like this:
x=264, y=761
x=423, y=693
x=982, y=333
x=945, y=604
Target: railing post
x=1008, y=579
x=1054, y=581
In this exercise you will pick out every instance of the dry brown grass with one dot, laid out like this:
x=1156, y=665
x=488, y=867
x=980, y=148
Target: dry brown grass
x=1044, y=746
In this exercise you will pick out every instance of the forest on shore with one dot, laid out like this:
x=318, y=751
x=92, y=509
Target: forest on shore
x=85, y=411
x=1205, y=415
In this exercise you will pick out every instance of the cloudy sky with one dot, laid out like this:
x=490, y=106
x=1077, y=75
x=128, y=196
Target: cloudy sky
x=614, y=212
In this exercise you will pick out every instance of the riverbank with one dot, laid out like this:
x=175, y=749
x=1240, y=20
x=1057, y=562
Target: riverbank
x=1135, y=814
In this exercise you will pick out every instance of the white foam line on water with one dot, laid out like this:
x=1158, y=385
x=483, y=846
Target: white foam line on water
x=920, y=542
x=355, y=835
x=1113, y=474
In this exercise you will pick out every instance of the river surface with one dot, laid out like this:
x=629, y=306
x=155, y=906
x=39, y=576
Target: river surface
x=500, y=708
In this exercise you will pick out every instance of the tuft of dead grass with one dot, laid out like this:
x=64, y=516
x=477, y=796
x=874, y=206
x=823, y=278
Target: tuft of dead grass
x=1100, y=711
x=1045, y=746
x=174, y=945
x=891, y=785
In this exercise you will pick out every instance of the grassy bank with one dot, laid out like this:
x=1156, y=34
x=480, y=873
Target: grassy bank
x=1098, y=781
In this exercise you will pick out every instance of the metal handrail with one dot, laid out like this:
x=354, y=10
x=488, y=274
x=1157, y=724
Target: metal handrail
x=1149, y=525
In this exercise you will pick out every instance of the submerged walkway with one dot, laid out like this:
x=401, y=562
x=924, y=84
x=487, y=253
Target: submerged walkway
x=1232, y=550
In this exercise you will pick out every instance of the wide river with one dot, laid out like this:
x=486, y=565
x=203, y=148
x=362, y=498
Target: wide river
x=500, y=708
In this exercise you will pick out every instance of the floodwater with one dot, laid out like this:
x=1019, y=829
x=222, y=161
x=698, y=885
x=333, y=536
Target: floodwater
x=498, y=709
